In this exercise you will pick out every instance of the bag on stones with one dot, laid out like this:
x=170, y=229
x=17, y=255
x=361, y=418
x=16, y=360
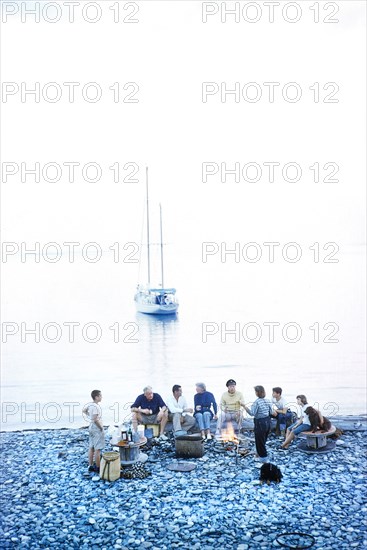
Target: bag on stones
x=110, y=466
x=270, y=472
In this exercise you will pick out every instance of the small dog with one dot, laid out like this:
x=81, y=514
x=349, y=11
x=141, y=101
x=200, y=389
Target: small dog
x=270, y=472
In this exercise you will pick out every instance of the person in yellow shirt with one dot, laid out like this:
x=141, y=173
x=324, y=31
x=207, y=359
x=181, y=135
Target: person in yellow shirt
x=231, y=405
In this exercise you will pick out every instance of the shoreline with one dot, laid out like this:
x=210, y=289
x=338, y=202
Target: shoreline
x=346, y=422
x=50, y=501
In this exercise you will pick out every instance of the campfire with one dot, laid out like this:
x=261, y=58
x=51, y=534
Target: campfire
x=228, y=437
x=229, y=441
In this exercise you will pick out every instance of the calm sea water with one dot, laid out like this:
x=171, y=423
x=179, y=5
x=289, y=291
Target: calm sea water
x=46, y=384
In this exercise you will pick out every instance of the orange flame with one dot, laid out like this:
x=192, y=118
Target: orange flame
x=227, y=434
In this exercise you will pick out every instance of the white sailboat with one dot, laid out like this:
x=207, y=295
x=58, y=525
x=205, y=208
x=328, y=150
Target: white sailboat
x=156, y=301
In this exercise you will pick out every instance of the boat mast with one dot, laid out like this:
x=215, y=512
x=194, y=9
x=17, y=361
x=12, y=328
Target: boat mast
x=160, y=215
x=148, y=241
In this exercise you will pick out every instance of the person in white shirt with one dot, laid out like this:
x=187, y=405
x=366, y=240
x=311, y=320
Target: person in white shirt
x=302, y=425
x=281, y=411
x=178, y=410
x=96, y=432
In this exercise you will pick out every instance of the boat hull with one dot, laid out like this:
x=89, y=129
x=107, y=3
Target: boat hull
x=156, y=301
x=156, y=309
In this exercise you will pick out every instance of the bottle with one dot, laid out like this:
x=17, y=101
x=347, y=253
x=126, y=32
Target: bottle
x=115, y=436
x=129, y=434
x=124, y=435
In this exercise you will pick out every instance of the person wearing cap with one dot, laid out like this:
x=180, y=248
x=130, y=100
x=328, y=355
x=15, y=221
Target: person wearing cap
x=230, y=405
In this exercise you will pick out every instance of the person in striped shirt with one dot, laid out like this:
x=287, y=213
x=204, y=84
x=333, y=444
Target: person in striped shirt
x=261, y=410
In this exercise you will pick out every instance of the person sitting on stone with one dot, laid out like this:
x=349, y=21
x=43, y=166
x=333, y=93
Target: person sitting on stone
x=280, y=411
x=178, y=410
x=230, y=405
x=149, y=408
x=301, y=425
x=203, y=402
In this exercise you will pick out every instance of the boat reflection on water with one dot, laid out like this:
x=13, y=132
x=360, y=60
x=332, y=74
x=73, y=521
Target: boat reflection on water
x=158, y=340
x=162, y=326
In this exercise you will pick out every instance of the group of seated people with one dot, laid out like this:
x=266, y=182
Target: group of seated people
x=149, y=408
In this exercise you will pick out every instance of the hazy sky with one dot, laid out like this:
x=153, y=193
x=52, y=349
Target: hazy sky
x=169, y=53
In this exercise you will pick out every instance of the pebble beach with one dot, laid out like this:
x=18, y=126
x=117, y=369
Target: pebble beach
x=49, y=500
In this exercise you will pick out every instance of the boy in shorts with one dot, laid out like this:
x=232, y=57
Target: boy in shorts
x=96, y=433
